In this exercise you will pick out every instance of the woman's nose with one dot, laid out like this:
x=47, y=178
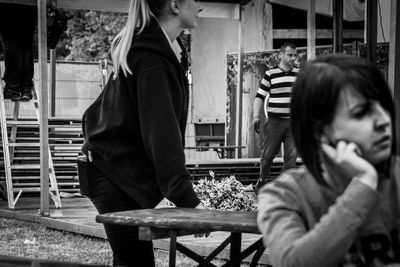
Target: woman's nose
x=382, y=117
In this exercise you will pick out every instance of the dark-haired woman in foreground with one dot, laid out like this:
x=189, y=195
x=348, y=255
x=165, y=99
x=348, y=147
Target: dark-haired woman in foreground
x=341, y=208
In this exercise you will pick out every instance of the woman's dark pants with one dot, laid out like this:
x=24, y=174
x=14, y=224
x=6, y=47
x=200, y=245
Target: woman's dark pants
x=127, y=249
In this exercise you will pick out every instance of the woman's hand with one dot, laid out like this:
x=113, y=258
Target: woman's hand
x=347, y=160
x=200, y=206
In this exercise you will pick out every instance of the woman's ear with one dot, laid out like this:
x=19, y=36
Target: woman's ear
x=175, y=6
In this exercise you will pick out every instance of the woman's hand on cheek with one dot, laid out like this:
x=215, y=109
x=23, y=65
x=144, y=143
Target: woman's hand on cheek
x=347, y=160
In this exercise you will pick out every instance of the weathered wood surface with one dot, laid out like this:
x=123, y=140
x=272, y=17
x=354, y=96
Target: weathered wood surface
x=185, y=219
x=78, y=215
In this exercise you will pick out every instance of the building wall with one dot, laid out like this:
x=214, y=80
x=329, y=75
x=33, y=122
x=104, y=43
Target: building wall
x=212, y=40
x=383, y=27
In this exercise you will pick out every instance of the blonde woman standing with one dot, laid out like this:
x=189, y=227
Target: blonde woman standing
x=134, y=131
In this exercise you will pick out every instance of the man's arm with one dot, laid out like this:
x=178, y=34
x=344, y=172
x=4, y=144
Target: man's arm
x=261, y=96
x=257, y=107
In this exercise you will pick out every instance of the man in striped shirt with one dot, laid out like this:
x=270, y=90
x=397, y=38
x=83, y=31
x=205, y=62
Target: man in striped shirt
x=274, y=95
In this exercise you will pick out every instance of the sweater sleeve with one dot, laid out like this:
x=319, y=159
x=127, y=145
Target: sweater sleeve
x=160, y=104
x=282, y=221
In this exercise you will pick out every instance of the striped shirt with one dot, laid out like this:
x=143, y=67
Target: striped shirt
x=278, y=83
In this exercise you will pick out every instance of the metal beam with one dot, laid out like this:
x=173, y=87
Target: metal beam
x=394, y=63
x=219, y=9
x=239, y=89
x=44, y=107
x=372, y=20
x=311, y=29
x=337, y=7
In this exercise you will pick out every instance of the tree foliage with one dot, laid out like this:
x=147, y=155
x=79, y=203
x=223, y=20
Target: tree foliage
x=89, y=35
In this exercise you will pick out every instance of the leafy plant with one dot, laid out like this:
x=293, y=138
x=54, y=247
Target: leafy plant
x=225, y=194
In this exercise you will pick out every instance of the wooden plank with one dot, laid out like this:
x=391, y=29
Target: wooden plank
x=185, y=219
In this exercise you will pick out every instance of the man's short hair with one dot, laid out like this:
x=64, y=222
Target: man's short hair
x=287, y=44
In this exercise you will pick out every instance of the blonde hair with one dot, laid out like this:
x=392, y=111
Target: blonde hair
x=139, y=17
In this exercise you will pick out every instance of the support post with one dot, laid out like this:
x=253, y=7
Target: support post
x=239, y=89
x=311, y=29
x=372, y=18
x=52, y=82
x=43, y=105
x=394, y=63
x=337, y=26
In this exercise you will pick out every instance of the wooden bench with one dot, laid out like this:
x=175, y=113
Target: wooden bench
x=172, y=222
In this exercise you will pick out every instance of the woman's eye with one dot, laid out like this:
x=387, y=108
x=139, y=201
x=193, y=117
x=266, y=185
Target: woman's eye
x=363, y=110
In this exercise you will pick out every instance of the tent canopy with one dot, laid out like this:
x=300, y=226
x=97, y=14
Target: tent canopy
x=211, y=9
x=353, y=10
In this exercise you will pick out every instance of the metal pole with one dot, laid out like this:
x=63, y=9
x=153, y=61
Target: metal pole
x=394, y=63
x=238, y=135
x=372, y=18
x=43, y=106
x=337, y=26
x=311, y=29
x=52, y=82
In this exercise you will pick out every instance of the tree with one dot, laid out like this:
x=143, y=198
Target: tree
x=89, y=35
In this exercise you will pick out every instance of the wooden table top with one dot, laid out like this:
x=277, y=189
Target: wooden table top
x=185, y=219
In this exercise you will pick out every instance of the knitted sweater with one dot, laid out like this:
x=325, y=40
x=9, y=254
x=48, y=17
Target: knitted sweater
x=307, y=224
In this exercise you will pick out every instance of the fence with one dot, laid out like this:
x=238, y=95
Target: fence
x=77, y=86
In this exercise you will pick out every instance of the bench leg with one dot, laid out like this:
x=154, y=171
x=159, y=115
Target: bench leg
x=236, y=241
x=172, y=249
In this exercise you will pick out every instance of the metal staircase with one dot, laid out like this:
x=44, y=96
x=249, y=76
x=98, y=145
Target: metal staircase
x=29, y=181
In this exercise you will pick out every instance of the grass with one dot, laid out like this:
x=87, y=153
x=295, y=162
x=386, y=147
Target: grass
x=31, y=240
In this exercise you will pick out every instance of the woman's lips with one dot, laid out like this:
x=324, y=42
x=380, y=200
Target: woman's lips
x=383, y=140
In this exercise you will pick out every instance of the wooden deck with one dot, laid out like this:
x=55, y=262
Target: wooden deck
x=78, y=216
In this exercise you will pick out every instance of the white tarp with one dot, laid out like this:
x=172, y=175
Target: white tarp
x=353, y=10
x=219, y=10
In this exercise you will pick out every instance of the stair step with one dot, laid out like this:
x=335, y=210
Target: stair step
x=22, y=122
x=36, y=177
x=31, y=189
x=25, y=166
x=37, y=184
x=26, y=144
x=59, y=178
x=37, y=158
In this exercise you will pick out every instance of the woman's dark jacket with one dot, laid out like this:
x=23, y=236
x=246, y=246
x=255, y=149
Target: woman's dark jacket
x=135, y=128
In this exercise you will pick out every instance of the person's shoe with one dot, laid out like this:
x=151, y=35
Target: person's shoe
x=12, y=95
x=26, y=95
